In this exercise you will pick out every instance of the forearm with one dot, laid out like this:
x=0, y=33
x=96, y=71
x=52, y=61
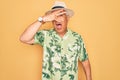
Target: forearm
x=87, y=69
x=29, y=32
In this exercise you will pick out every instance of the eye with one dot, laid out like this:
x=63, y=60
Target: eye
x=61, y=15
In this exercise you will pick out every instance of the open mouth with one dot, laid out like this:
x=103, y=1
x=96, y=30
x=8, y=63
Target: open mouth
x=58, y=25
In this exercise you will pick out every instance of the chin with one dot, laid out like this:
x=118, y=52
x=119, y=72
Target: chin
x=60, y=31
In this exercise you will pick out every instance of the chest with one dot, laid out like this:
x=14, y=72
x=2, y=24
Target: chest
x=67, y=45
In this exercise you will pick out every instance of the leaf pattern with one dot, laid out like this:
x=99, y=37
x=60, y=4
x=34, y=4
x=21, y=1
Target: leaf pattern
x=61, y=55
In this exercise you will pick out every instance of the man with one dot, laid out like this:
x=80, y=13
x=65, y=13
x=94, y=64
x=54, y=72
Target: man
x=62, y=47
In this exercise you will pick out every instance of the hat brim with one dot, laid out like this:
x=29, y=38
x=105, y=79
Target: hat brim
x=69, y=12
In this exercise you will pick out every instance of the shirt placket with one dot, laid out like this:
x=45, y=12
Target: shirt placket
x=62, y=59
x=60, y=43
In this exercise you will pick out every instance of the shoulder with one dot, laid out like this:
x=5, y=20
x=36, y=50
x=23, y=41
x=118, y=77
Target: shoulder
x=75, y=34
x=44, y=31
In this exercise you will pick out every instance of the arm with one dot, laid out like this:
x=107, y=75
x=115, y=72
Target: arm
x=87, y=69
x=28, y=35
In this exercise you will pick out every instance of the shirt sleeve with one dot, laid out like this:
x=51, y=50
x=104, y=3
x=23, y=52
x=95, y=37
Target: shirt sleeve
x=82, y=51
x=39, y=37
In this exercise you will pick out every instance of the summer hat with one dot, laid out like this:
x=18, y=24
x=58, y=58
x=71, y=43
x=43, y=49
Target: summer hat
x=61, y=5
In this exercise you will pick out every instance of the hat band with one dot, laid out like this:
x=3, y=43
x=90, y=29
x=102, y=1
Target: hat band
x=57, y=7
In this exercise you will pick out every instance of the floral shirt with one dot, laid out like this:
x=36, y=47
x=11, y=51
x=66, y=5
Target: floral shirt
x=61, y=55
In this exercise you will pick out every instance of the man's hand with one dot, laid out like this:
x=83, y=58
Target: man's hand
x=52, y=16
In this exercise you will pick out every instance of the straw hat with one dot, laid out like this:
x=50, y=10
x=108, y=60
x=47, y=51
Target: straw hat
x=61, y=5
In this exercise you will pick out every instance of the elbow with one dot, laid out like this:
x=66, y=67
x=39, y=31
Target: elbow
x=22, y=39
x=25, y=40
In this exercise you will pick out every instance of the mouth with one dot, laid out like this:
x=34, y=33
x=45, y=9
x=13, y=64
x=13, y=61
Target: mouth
x=58, y=25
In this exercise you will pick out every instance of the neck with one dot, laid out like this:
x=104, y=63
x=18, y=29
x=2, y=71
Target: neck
x=62, y=34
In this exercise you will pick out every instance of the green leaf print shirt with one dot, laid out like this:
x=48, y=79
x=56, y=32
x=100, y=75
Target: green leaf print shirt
x=61, y=55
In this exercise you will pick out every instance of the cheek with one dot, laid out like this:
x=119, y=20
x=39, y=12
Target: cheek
x=65, y=22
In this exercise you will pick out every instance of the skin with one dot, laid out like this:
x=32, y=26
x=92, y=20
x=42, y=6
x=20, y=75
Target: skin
x=60, y=21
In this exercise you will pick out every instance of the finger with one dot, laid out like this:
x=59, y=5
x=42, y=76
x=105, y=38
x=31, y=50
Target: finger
x=59, y=10
x=61, y=13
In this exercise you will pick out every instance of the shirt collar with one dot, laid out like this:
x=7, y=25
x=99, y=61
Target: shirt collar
x=68, y=33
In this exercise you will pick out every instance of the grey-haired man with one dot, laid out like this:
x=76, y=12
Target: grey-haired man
x=62, y=46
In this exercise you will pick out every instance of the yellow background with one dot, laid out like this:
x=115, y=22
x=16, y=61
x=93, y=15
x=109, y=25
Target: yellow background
x=98, y=21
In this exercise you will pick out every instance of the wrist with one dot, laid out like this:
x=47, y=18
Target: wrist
x=43, y=19
x=40, y=19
